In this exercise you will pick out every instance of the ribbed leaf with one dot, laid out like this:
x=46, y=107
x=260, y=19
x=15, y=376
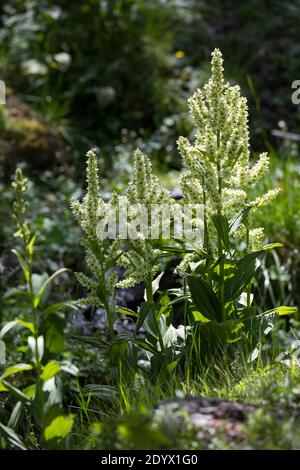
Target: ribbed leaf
x=105, y=392
x=44, y=286
x=222, y=227
x=12, y=437
x=245, y=271
x=238, y=220
x=50, y=370
x=204, y=297
x=59, y=428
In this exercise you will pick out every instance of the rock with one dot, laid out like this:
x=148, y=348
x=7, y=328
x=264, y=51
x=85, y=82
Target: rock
x=209, y=416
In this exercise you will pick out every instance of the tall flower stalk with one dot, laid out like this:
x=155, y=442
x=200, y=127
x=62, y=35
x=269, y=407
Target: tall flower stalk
x=101, y=254
x=218, y=171
x=141, y=257
x=219, y=174
x=144, y=192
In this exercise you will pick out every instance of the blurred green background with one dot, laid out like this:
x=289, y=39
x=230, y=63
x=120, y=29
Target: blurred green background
x=116, y=75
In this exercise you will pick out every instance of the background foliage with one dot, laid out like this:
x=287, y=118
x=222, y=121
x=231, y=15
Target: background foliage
x=116, y=75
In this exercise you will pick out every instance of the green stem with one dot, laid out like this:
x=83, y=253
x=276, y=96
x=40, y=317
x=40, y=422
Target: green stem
x=206, y=234
x=221, y=291
x=105, y=300
x=38, y=366
x=248, y=290
x=110, y=323
x=220, y=247
x=187, y=370
x=150, y=299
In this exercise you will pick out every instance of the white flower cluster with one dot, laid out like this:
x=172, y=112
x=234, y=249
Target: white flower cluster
x=101, y=255
x=140, y=258
x=218, y=173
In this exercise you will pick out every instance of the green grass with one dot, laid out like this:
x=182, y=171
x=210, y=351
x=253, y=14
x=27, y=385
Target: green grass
x=271, y=382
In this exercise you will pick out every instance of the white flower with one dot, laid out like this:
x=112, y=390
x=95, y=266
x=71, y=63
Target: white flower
x=173, y=336
x=63, y=58
x=34, y=67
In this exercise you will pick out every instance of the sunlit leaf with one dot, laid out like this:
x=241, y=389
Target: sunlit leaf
x=37, y=347
x=41, y=291
x=24, y=265
x=59, y=428
x=50, y=370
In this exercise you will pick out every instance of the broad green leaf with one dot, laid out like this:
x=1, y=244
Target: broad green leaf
x=172, y=366
x=126, y=311
x=20, y=291
x=147, y=346
x=6, y=328
x=199, y=317
x=215, y=336
x=99, y=343
x=69, y=368
x=24, y=265
x=56, y=308
x=132, y=355
x=37, y=347
x=238, y=220
x=244, y=273
x=15, y=369
x=53, y=329
x=153, y=324
x=13, y=438
x=164, y=308
x=29, y=391
x=283, y=310
x=59, y=428
x=105, y=392
x=204, y=297
x=122, y=337
x=222, y=227
x=30, y=246
x=39, y=295
x=144, y=311
x=37, y=281
x=37, y=406
x=15, y=416
x=262, y=323
x=26, y=324
x=254, y=355
x=271, y=246
x=14, y=391
x=156, y=281
x=50, y=370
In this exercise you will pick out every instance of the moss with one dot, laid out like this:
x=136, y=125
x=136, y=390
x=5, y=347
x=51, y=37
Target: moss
x=30, y=133
x=26, y=137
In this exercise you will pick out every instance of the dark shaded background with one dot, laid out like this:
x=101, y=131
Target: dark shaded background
x=116, y=75
x=131, y=64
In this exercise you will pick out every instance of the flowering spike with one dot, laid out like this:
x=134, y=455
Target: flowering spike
x=218, y=171
x=99, y=253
